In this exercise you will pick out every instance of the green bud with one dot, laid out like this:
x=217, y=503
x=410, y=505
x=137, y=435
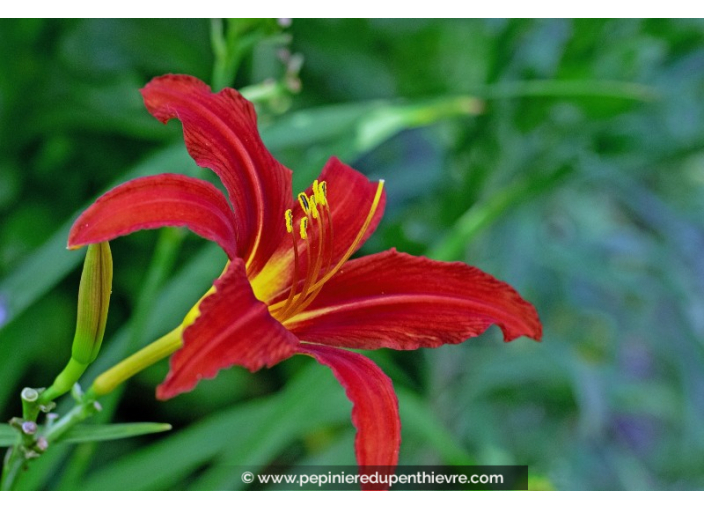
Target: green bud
x=93, y=303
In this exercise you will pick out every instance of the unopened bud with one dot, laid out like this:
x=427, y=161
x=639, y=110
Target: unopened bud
x=93, y=303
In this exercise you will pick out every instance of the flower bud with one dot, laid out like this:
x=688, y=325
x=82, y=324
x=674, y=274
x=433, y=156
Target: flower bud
x=93, y=303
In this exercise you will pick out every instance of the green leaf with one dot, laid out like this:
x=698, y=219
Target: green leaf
x=85, y=433
x=307, y=138
x=419, y=420
x=252, y=433
x=364, y=125
x=570, y=88
x=8, y=435
x=482, y=214
x=297, y=412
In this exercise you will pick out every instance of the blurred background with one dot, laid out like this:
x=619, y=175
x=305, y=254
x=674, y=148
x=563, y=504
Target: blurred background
x=564, y=157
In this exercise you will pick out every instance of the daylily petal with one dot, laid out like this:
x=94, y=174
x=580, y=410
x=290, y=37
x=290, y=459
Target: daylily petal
x=233, y=328
x=374, y=405
x=395, y=300
x=166, y=200
x=350, y=197
x=221, y=133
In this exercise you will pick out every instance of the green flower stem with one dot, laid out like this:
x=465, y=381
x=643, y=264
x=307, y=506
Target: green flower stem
x=226, y=51
x=64, y=381
x=146, y=357
x=16, y=458
x=86, y=408
x=230, y=40
x=30, y=404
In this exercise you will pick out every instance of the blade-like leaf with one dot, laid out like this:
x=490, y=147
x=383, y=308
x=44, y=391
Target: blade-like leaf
x=248, y=434
x=85, y=433
x=8, y=435
x=481, y=215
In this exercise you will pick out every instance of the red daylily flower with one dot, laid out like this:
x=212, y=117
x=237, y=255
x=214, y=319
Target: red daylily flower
x=290, y=287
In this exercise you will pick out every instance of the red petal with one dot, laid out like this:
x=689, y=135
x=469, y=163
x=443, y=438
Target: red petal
x=374, y=406
x=220, y=131
x=233, y=328
x=350, y=195
x=395, y=300
x=158, y=201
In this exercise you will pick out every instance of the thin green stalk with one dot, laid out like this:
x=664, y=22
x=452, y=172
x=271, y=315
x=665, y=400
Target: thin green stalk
x=227, y=53
x=82, y=410
x=111, y=379
x=30, y=404
x=18, y=455
x=64, y=381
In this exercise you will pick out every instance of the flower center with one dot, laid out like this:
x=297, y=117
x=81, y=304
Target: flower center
x=315, y=233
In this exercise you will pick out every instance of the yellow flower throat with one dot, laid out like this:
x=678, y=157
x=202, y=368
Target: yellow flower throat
x=319, y=255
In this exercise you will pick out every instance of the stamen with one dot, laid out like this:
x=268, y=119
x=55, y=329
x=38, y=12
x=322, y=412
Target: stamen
x=318, y=271
x=288, y=215
x=294, y=299
x=294, y=285
x=325, y=242
x=311, y=276
x=303, y=200
x=316, y=191
x=304, y=226
x=313, y=206
x=354, y=245
x=320, y=192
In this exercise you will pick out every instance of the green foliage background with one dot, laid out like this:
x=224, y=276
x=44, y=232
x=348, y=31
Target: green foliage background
x=565, y=157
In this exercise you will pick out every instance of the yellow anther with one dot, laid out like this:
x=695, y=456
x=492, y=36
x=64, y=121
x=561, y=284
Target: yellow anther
x=289, y=220
x=304, y=226
x=313, y=207
x=303, y=200
x=323, y=188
